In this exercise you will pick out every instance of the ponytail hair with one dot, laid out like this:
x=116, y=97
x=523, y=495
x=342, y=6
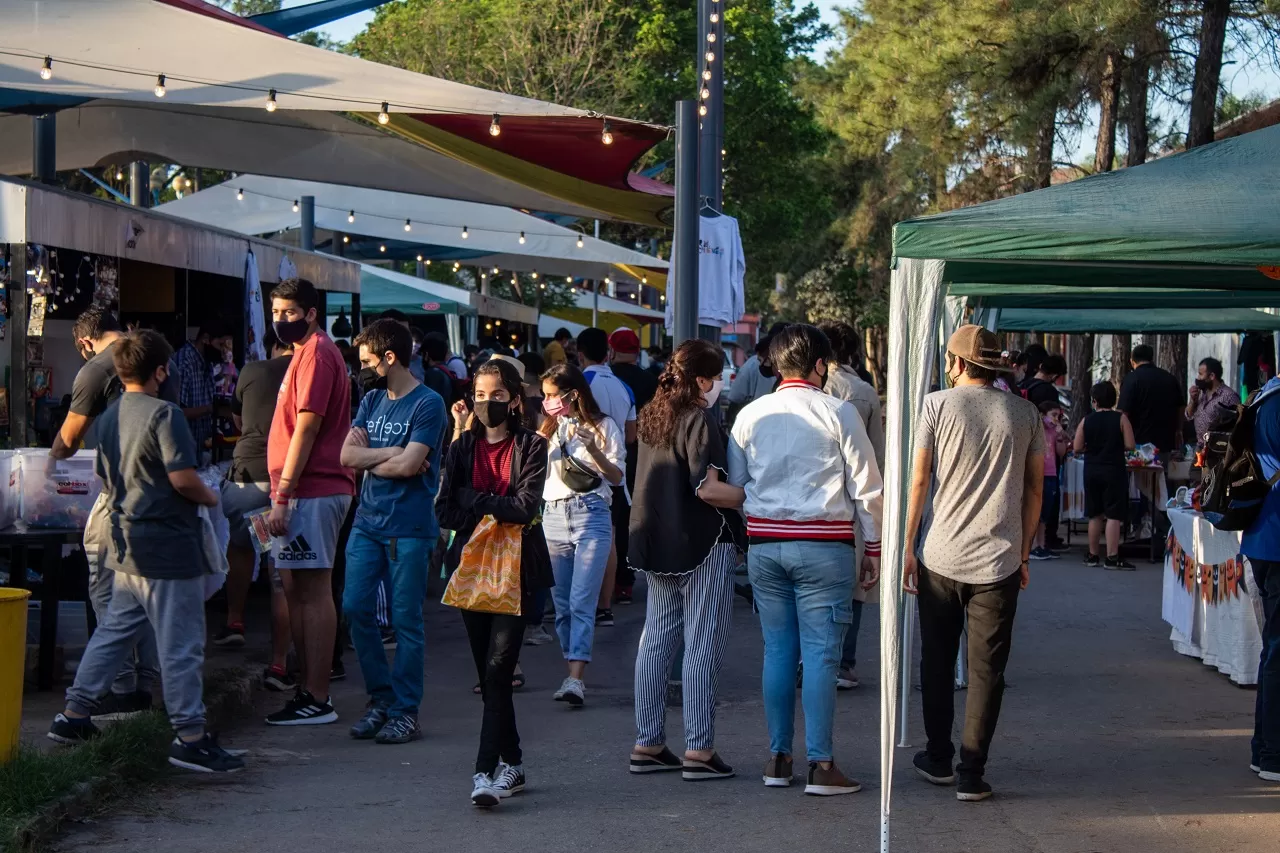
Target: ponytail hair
x=678, y=391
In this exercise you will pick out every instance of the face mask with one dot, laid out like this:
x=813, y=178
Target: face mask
x=291, y=331
x=555, y=406
x=492, y=413
x=370, y=380
x=710, y=398
x=1204, y=384
x=766, y=370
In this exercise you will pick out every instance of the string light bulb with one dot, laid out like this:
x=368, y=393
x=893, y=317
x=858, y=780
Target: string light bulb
x=120, y=177
x=419, y=258
x=160, y=88
x=295, y=206
x=495, y=126
x=535, y=275
x=239, y=193
x=465, y=234
x=644, y=279
x=606, y=135
x=409, y=227
x=346, y=239
x=580, y=244
x=495, y=270
x=706, y=93
x=382, y=248
x=521, y=238
x=702, y=109
x=711, y=37
x=46, y=70
x=569, y=279
x=633, y=296
x=715, y=17
x=711, y=56
x=428, y=262
x=383, y=115
x=351, y=216
x=271, y=100
x=706, y=75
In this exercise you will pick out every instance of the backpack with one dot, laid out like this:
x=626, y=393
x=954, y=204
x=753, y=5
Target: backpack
x=1233, y=490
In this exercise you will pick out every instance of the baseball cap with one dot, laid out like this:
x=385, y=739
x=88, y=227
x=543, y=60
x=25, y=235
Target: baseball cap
x=624, y=341
x=976, y=345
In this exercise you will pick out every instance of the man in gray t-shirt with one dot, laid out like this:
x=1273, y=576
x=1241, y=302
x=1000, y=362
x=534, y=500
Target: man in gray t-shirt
x=978, y=475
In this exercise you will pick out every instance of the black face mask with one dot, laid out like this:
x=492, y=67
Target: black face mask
x=492, y=413
x=766, y=370
x=371, y=381
x=1204, y=384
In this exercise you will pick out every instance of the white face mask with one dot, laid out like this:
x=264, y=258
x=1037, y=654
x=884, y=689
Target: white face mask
x=710, y=398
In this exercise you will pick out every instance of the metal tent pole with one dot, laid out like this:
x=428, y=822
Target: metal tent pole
x=307, y=211
x=684, y=265
x=139, y=184
x=44, y=135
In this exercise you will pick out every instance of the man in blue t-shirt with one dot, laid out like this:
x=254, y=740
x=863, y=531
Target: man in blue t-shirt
x=395, y=441
x=1261, y=544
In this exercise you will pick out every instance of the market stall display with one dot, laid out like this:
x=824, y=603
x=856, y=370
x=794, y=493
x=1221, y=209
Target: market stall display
x=1209, y=598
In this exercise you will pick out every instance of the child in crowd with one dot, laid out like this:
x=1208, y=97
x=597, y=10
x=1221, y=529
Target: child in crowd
x=1055, y=446
x=147, y=463
x=1103, y=437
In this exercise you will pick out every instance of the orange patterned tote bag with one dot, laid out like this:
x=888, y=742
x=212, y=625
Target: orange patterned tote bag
x=488, y=575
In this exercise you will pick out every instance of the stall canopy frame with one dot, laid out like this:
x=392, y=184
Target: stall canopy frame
x=1148, y=321
x=1200, y=220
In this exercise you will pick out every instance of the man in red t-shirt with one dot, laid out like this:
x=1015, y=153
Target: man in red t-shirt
x=310, y=492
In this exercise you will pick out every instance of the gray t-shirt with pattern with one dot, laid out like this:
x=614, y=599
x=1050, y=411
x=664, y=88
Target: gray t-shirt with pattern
x=980, y=437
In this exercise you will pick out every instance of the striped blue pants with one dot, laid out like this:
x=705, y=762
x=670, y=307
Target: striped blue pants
x=698, y=609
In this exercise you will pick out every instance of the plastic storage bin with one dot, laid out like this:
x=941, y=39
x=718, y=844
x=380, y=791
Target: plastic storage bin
x=58, y=493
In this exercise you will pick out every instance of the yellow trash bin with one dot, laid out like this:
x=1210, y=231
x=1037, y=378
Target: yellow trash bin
x=13, y=650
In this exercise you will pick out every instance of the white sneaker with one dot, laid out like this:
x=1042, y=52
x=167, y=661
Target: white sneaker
x=483, y=794
x=572, y=691
x=508, y=780
x=1269, y=776
x=537, y=636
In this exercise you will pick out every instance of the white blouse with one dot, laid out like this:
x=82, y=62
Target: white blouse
x=608, y=436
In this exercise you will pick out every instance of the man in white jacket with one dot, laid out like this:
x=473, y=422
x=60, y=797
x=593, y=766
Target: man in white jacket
x=812, y=485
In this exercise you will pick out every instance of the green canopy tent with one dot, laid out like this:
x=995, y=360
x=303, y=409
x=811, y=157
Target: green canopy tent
x=1201, y=220
x=1049, y=296
x=382, y=289
x=1146, y=321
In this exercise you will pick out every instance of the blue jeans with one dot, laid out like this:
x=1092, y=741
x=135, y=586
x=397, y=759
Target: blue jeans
x=1266, y=733
x=849, y=657
x=404, y=561
x=803, y=592
x=579, y=531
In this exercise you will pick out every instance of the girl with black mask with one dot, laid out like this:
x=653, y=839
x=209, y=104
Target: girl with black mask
x=496, y=467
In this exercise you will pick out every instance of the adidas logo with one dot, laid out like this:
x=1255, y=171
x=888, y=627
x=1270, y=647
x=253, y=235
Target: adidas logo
x=297, y=550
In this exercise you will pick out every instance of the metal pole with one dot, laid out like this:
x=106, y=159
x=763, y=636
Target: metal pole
x=684, y=267
x=908, y=664
x=139, y=184
x=711, y=130
x=307, y=210
x=595, y=304
x=44, y=134
x=422, y=269
x=339, y=248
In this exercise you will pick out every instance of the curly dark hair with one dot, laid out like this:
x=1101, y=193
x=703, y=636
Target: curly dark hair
x=678, y=391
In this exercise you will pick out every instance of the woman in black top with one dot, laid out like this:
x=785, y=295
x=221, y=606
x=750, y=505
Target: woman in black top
x=498, y=468
x=1103, y=437
x=684, y=537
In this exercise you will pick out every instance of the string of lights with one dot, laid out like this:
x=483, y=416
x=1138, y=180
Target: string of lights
x=271, y=103
x=704, y=93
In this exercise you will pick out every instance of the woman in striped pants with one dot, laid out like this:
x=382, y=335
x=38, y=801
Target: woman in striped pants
x=685, y=536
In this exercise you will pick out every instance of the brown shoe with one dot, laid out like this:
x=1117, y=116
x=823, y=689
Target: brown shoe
x=829, y=783
x=778, y=771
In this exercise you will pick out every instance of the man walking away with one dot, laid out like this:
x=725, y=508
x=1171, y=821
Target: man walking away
x=1261, y=544
x=810, y=478
x=246, y=491
x=310, y=492
x=625, y=348
x=147, y=463
x=396, y=441
x=979, y=451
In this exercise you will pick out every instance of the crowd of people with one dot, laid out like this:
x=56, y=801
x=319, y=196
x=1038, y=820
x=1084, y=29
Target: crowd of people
x=556, y=477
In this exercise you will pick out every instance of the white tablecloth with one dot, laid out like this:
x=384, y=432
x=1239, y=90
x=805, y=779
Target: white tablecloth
x=1209, y=598
x=1141, y=483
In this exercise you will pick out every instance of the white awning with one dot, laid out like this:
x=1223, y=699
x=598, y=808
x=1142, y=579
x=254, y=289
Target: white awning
x=424, y=291
x=494, y=233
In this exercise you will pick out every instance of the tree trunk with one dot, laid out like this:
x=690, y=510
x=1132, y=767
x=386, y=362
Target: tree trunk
x=1121, y=351
x=1137, y=81
x=1108, y=113
x=873, y=339
x=1171, y=354
x=1042, y=157
x=1080, y=371
x=1204, y=89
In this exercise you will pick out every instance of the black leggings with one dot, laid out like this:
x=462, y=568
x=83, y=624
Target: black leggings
x=495, y=645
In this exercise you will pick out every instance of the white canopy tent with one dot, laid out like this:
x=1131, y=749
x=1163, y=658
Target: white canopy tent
x=503, y=237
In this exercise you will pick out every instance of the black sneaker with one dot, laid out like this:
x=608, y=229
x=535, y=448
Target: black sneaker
x=972, y=790
x=72, y=729
x=932, y=770
x=401, y=729
x=368, y=726
x=338, y=672
x=1057, y=545
x=388, y=638
x=604, y=618
x=232, y=636
x=624, y=595
x=122, y=706
x=203, y=756
x=1092, y=560
x=278, y=680
x=303, y=710
x=1118, y=564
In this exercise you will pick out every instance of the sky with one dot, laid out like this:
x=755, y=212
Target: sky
x=1241, y=78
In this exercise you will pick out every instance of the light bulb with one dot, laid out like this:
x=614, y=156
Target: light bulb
x=569, y=279
x=706, y=93
x=542, y=286
x=521, y=238
x=419, y=258
x=702, y=109
x=120, y=177
x=495, y=126
x=160, y=89
x=579, y=242
x=715, y=17
x=351, y=216
x=488, y=327
x=382, y=248
x=711, y=56
x=346, y=239
x=271, y=100
x=383, y=117
x=295, y=207
x=535, y=275
x=239, y=193
x=711, y=37
x=408, y=227
x=606, y=135
x=46, y=70
x=464, y=232
x=428, y=262
x=664, y=297
x=644, y=279
x=633, y=296
x=706, y=75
